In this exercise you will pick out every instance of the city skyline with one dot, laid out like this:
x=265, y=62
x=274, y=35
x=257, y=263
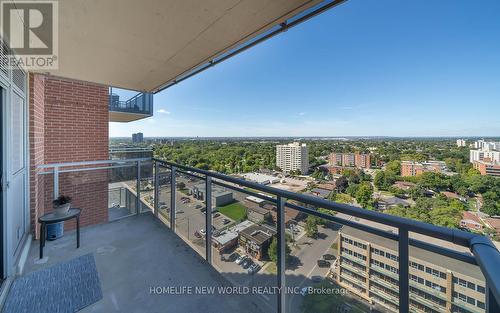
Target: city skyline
x=360, y=70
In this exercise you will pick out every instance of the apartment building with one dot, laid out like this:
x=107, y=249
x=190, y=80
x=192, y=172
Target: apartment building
x=491, y=156
x=487, y=145
x=350, y=160
x=293, y=157
x=487, y=168
x=412, y=168
x=461, y=143
x=138, y=138
x=437, y=283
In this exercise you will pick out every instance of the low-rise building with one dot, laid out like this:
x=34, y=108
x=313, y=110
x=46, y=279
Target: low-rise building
x=320, y=192
x=487, y=168
x=257, y=214
x=412, y=168
x=220, y=196
x=255, y=240
x=390, y=202
x=453, y=196
x=471, y=221
x=259, y=178
x=404, y=185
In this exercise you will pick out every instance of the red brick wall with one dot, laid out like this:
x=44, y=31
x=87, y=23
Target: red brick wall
x=36, y=135
x=72, y=127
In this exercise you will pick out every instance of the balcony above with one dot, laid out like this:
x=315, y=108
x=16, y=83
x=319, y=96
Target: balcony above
x=136, y=108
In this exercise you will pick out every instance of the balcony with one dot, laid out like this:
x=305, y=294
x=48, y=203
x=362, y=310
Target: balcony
x=177, y=239
x=138, y=107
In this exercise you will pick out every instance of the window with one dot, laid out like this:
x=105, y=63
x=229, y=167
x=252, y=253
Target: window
x=480, y=289
x=471, y=285
x=481, y=304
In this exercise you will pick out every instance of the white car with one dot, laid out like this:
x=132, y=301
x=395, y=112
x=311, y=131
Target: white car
x=203, y=232
x=240, y=259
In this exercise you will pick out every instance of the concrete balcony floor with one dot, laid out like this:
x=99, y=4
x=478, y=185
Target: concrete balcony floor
x=137, y=253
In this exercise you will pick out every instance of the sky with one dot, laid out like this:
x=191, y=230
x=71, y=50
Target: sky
x=365, y=68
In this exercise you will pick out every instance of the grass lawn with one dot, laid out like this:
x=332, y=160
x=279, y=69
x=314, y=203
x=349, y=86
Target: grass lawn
x=235, y=211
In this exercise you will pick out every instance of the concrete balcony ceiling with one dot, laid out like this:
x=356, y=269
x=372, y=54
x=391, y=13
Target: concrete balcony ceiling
x=144, y=45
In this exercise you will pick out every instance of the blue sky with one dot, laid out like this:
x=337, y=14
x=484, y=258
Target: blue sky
x=365, y=68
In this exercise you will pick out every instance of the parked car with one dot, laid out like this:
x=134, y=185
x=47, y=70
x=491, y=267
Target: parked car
x=234, y=256
x=217, y=214
x=254, y=268
x=323, y=263
x=329, y=257
x=197, y=234
x=247, y=263
x=203, y=210
x=198, y=206
x=240, y=259
x=226, y=221
x=316, y=279
x=203, y=232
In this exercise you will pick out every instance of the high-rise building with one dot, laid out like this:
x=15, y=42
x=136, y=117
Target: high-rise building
x=138, y=138
x=368, y=266
x=486, y=151
x=461, y=143
x=351, y=160
x=292, y=157
x=487, y=145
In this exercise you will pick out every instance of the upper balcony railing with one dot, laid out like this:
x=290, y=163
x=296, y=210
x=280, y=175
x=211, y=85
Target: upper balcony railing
x=138, y=107
x=168, y=195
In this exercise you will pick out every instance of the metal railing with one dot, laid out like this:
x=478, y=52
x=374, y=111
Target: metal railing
x=141, y=103
x=484, y=252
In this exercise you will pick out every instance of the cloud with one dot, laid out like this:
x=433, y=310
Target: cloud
x=347, y=108
x=302, y=113
x=163, y=111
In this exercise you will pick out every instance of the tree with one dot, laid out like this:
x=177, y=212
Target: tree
x=379, y=180
x=181, y=185
x=273, y=251
x=341, y=184
x=364, y=195
x=393, y=167
x=311, y=227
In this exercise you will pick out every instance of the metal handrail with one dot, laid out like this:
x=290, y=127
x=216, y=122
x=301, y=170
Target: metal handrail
x=485, y=254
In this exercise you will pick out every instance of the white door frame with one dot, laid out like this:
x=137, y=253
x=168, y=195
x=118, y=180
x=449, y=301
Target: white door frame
x=9, y=260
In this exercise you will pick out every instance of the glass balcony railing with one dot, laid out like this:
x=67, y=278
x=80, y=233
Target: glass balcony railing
x=108, y=190
x=292, y=244
x=140, y=104
x=291, y=252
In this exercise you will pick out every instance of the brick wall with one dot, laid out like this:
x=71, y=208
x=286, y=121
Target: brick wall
x=36, y=135
x=69, y=123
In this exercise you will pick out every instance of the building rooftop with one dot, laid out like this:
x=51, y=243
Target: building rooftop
x=417, y=253
x=258, y=233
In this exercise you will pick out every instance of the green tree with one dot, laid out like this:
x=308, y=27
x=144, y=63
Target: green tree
x=364, y=195
x=272, y=251
x=311, y=227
